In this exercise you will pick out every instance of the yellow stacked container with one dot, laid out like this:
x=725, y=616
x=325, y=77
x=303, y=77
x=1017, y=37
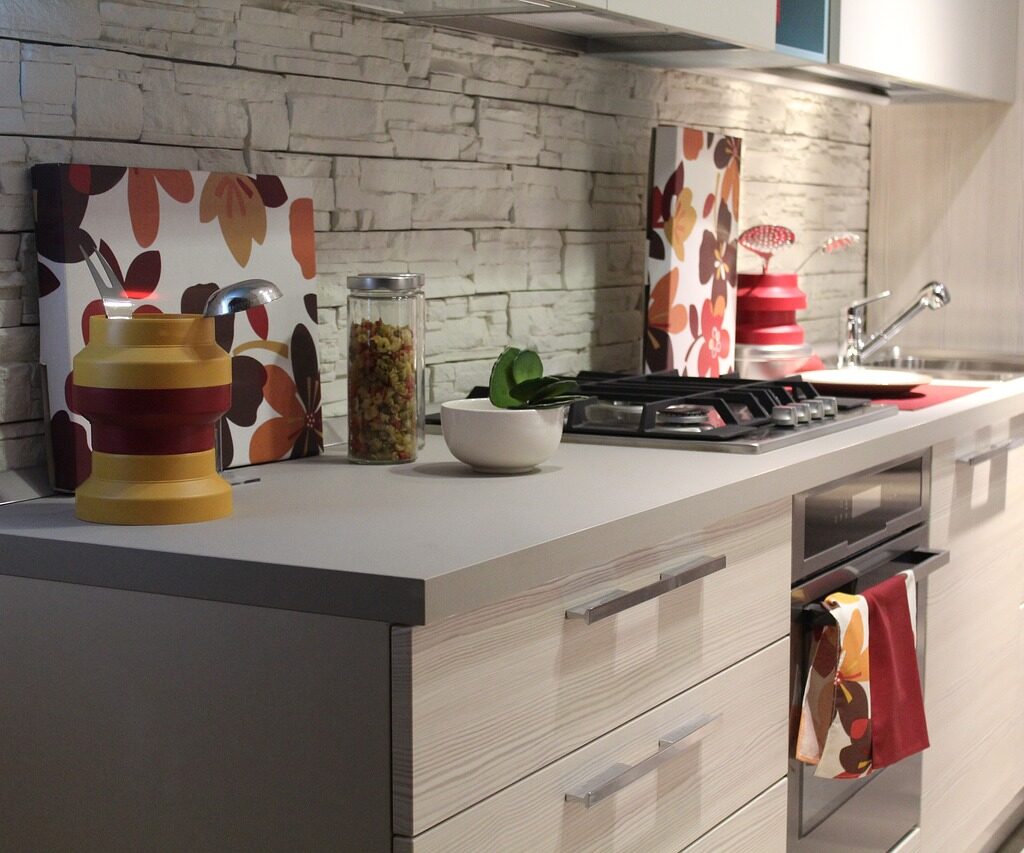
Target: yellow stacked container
x=153, y=389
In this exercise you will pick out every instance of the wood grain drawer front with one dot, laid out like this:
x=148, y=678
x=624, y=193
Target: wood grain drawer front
x=481, y=700
x=910, y=844
x=974, y=691
x=664, y=810
x=759, y=826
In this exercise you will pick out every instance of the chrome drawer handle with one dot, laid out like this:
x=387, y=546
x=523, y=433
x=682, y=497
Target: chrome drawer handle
x=618, y=600
x=617, y=777
x=992, y=452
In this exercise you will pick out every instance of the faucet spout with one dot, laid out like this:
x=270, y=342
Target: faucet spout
x=856, y=349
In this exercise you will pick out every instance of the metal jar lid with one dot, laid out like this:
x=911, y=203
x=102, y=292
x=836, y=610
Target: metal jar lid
x=386, y=281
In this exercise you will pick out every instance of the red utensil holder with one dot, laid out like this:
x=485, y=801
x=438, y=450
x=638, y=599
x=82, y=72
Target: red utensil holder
x=766, y=306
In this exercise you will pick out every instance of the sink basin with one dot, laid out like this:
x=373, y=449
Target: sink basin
x=954, y=364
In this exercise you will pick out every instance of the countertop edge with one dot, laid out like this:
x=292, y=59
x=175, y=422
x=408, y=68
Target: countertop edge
x=305, y=589
x=402, y=598
x=478, y=585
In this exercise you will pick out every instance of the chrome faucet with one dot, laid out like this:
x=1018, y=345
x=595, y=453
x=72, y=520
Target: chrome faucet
x=853, y=347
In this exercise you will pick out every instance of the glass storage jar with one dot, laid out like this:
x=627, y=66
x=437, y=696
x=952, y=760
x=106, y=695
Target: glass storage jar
x=386, y=392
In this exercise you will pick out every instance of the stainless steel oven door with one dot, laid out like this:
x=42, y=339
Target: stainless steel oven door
x=874, y=813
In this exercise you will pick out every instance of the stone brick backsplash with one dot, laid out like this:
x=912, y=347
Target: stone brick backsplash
x=512, y=176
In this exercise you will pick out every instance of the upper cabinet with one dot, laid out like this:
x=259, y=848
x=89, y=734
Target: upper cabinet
x=750, y=23
x=963, y=48
x=802, y=29
x=877, y=49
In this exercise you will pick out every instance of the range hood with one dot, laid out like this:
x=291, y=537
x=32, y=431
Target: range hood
x=590, y=27
x=733, y=38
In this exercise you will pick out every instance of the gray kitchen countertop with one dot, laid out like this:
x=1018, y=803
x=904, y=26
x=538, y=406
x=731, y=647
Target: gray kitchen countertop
x=415, y=543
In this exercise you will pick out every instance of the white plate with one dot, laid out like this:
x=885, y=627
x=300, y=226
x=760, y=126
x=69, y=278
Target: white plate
x=865, y=381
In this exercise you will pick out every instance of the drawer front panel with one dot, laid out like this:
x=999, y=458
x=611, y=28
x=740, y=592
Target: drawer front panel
x=661, y=811
x=759, y=825
x=973, y=694
x=481, y=700
x=910, y=844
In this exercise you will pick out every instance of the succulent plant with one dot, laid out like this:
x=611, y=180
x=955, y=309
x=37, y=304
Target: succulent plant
x=518, y=382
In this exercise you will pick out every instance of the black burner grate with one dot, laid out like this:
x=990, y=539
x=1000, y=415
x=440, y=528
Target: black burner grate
x=667, y=405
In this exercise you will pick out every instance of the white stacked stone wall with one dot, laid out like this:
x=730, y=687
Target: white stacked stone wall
x=514, y=177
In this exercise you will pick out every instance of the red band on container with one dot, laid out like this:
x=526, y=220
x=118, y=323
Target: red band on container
x=152, y=421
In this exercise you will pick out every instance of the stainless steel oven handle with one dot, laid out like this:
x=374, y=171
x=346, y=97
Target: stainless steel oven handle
x=619, y=776
x=618, y=600
x=934, y=559
x=991, y=453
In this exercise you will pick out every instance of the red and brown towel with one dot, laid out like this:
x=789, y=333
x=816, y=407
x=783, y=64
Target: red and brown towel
x=862, y=708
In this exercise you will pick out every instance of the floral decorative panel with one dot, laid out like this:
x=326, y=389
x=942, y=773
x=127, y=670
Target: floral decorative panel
x=172, y=238
x=694, y=199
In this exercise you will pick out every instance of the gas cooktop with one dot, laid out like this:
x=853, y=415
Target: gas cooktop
x=724, y=414
x=697, y=413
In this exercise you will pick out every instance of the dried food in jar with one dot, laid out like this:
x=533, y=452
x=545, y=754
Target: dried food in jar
x=381, y=392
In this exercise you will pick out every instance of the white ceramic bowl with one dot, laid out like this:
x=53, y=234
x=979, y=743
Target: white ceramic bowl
x=500, y=441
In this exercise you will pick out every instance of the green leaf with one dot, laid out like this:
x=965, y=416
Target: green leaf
x=502, y=380
x=555, y=402
x=558, y=388
x=526, y=366
x=526, y=391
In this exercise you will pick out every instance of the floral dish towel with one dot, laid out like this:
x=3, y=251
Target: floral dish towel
x=842, y=717
x=835, y=721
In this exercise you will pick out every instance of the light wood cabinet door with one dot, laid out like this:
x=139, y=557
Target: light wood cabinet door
x=483, y=699
x=760, y=825
x=750, y=23
x=963, y=48
x=661, y=810
x=910, y=844
x=973, y=686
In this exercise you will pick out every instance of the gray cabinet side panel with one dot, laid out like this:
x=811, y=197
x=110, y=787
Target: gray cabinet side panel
x=131, y=721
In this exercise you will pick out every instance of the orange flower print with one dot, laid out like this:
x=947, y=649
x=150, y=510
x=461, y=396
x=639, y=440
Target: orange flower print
x=716, y=339
x=680, y=224
x=300, y=224
x=663, y=312
x=235, y=202
x=298, y=429
x=853, y=658
x=693, y=143
x=144, y=200
x=664, y=317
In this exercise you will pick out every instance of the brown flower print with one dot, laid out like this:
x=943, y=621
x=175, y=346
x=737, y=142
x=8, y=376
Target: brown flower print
x=248, y=376
x=727, y=157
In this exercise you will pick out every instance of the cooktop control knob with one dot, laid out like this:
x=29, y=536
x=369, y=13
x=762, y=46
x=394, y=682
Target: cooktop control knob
x=803, y=413
x=816, y=408
x=831, y=405
x=784, y=416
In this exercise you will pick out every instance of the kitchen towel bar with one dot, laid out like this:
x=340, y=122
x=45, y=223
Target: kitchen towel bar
x=923, y=561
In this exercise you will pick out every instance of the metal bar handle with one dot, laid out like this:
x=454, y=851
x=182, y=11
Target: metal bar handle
x=618, y=600
x=991, y=453
x=933, y=559
x=620, y=776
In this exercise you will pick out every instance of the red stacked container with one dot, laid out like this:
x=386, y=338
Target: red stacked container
x=770, y=341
